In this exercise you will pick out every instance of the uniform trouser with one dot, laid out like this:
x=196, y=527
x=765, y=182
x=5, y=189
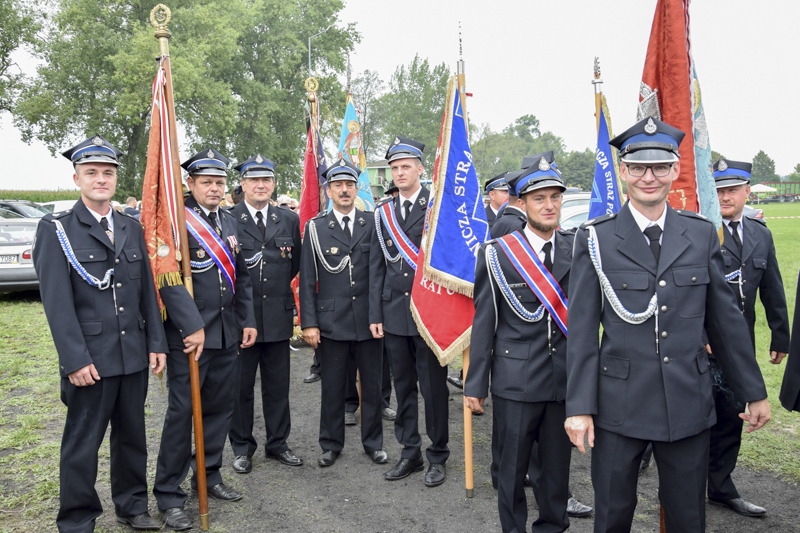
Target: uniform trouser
x=120, y=401
x=334, y=357
x=352, y=398
x=272, y=358
x=217, y=395
x=351, y=403
x=519, y=425
x=682, y=471
x=726, y=438
x=411, y=360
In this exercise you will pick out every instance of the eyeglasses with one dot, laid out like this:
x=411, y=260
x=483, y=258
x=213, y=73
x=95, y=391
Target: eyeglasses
x=660, y=170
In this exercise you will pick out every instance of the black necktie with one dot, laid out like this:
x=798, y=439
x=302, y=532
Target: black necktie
x=654, y=233
x=104, y=225
x=548, y=262
x=735, y=230
x=260, y=224
x=347, y=233
x=407, y=209
x=212, y=216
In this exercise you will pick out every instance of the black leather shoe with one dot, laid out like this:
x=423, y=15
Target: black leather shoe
x=287, y=458
x=526, y=481
x=176, y=519
x=741, y=506
x=403, y=468
x=435, y=475
x=379, y=457
x=388, y=413
x=455, y=382
x=243, y=464
x=576, y=509
x=350, y=419
x=312, y=378
x=226, y=494
x=327, y=458
x=140, y=521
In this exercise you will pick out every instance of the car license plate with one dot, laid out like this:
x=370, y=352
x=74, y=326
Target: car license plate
x=8, y=258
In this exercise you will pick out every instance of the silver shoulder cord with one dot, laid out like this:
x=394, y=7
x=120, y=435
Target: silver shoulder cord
x=737, y=278
x=317, y=250
x=611, y=295
x=493, y=265
x=379, y=231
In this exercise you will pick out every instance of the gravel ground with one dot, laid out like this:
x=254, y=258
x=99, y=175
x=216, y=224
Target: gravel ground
x=352, y=495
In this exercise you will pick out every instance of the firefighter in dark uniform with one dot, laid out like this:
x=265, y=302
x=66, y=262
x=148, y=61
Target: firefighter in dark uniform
x=790, y=387
x=216, y=323
x=392, y=279
x=652, y=276
x=512, y=218
x=269, y=238
x=334, y=291
x=496, y=189
x=98, y=294
x=515, y=338
x=750, y=266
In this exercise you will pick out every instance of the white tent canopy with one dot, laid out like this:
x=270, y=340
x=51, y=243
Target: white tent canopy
x=762, y=188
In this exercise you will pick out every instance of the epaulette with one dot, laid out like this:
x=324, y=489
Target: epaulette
x=321, y=214
x=759, y=220
x=284, y=208
x=129, y=216
x=570, y=231
x=598, y=220
x=226, y=212
x=692, y=214
x=383, y=202
x=59, y=214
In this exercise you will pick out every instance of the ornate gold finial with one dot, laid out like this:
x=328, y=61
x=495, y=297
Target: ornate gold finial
x=159, y=18
x=312, y=85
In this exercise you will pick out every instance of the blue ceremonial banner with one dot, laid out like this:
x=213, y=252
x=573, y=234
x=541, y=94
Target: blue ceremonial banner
x=352, y=149
x=457, y=218
x=605, y=187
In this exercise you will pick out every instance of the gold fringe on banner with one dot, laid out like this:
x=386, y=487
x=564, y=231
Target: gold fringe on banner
x=449, y=353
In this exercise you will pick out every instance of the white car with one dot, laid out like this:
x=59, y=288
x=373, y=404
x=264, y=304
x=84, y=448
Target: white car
x=58, y=205
x=16, y=261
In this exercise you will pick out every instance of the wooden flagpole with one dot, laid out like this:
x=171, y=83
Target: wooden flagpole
x=468, y=467
x=159, y=18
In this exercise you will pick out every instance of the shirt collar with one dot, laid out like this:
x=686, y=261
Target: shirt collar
x=339, y=216
x=509, y=206
x=253, y=211
x=536, y=242
x=412, y=198
x=207, y=211
x=109, y=216
x=643, y=222
x=495, y=211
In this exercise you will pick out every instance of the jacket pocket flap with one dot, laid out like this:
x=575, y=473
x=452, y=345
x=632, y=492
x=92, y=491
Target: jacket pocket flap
x=688, y=276
x=132, y=254
x=288, y=302
x=632, y=281
x=88, y=256
x=702, y=361
x=284, y=241
x=246, y=244
x=326, y=305
x=512, y=349
x=365, y=248
x=760, y=262
x=92, y=328
x=615, y=367
x=200, y=303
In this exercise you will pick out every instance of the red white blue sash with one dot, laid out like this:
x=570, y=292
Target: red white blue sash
x=404, y=245
x=213, y=245
x=538, y=278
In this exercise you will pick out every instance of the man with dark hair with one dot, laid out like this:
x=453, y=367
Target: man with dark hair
x=98, y=294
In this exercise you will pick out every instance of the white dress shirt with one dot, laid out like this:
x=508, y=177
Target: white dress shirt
x=412, y=199
x=537, y=243
x=264, y=212
x=739, y=230
x=109, y=216
x=643, y=222
x=339, y=216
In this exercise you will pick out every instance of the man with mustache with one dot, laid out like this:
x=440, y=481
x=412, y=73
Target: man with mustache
x=334, y=293
x=750, y=267
x=269, y=238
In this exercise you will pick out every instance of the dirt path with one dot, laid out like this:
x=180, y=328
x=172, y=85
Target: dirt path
x=352, y=496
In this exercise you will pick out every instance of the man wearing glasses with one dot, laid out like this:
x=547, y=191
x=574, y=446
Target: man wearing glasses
x=653, y=277
x=269, y=238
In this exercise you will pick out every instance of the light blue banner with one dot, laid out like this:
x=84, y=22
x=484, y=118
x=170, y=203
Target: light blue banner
x=351, y=148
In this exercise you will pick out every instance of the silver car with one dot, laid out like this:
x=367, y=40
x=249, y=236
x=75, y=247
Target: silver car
x=16, y=263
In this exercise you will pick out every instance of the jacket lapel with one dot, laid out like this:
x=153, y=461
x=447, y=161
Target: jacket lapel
x=94, y=227
x=563, y=258
x=749, y=242
x=359, y=229
x=634, y=243
x=120, y=236
x=418, y=209
x=673, y=242
x=246, y=221
x=273, y=219
x=729, y=245
x=335, y=230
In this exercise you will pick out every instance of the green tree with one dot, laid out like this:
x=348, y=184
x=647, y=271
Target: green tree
x=19, y=25
x=367, y=88
x=413, y=107
x=716, y=156
x=763, y=169
x=578, y=169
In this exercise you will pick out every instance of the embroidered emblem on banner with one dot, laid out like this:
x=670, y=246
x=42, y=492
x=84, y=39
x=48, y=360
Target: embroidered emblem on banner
x=539, y=279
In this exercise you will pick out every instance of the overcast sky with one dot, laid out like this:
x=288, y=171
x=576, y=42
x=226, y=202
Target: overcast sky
x=535, y=57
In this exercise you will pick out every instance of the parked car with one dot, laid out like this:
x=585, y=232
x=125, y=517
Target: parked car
x=58, y=205
x=5, y=213
x=575, y=199
x=574, y=216
x=25, y=208
x=753, y=212
x=16, y=262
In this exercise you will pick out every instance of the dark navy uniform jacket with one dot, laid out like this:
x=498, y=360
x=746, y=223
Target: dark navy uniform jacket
x=490, y=216
x=214, y=308
x=391, y=283
x=523, y=367
x=272, y=276
x=508, y=221
x=88, y=325
x=761, y=273
x=339, y=304
x=629, y=387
